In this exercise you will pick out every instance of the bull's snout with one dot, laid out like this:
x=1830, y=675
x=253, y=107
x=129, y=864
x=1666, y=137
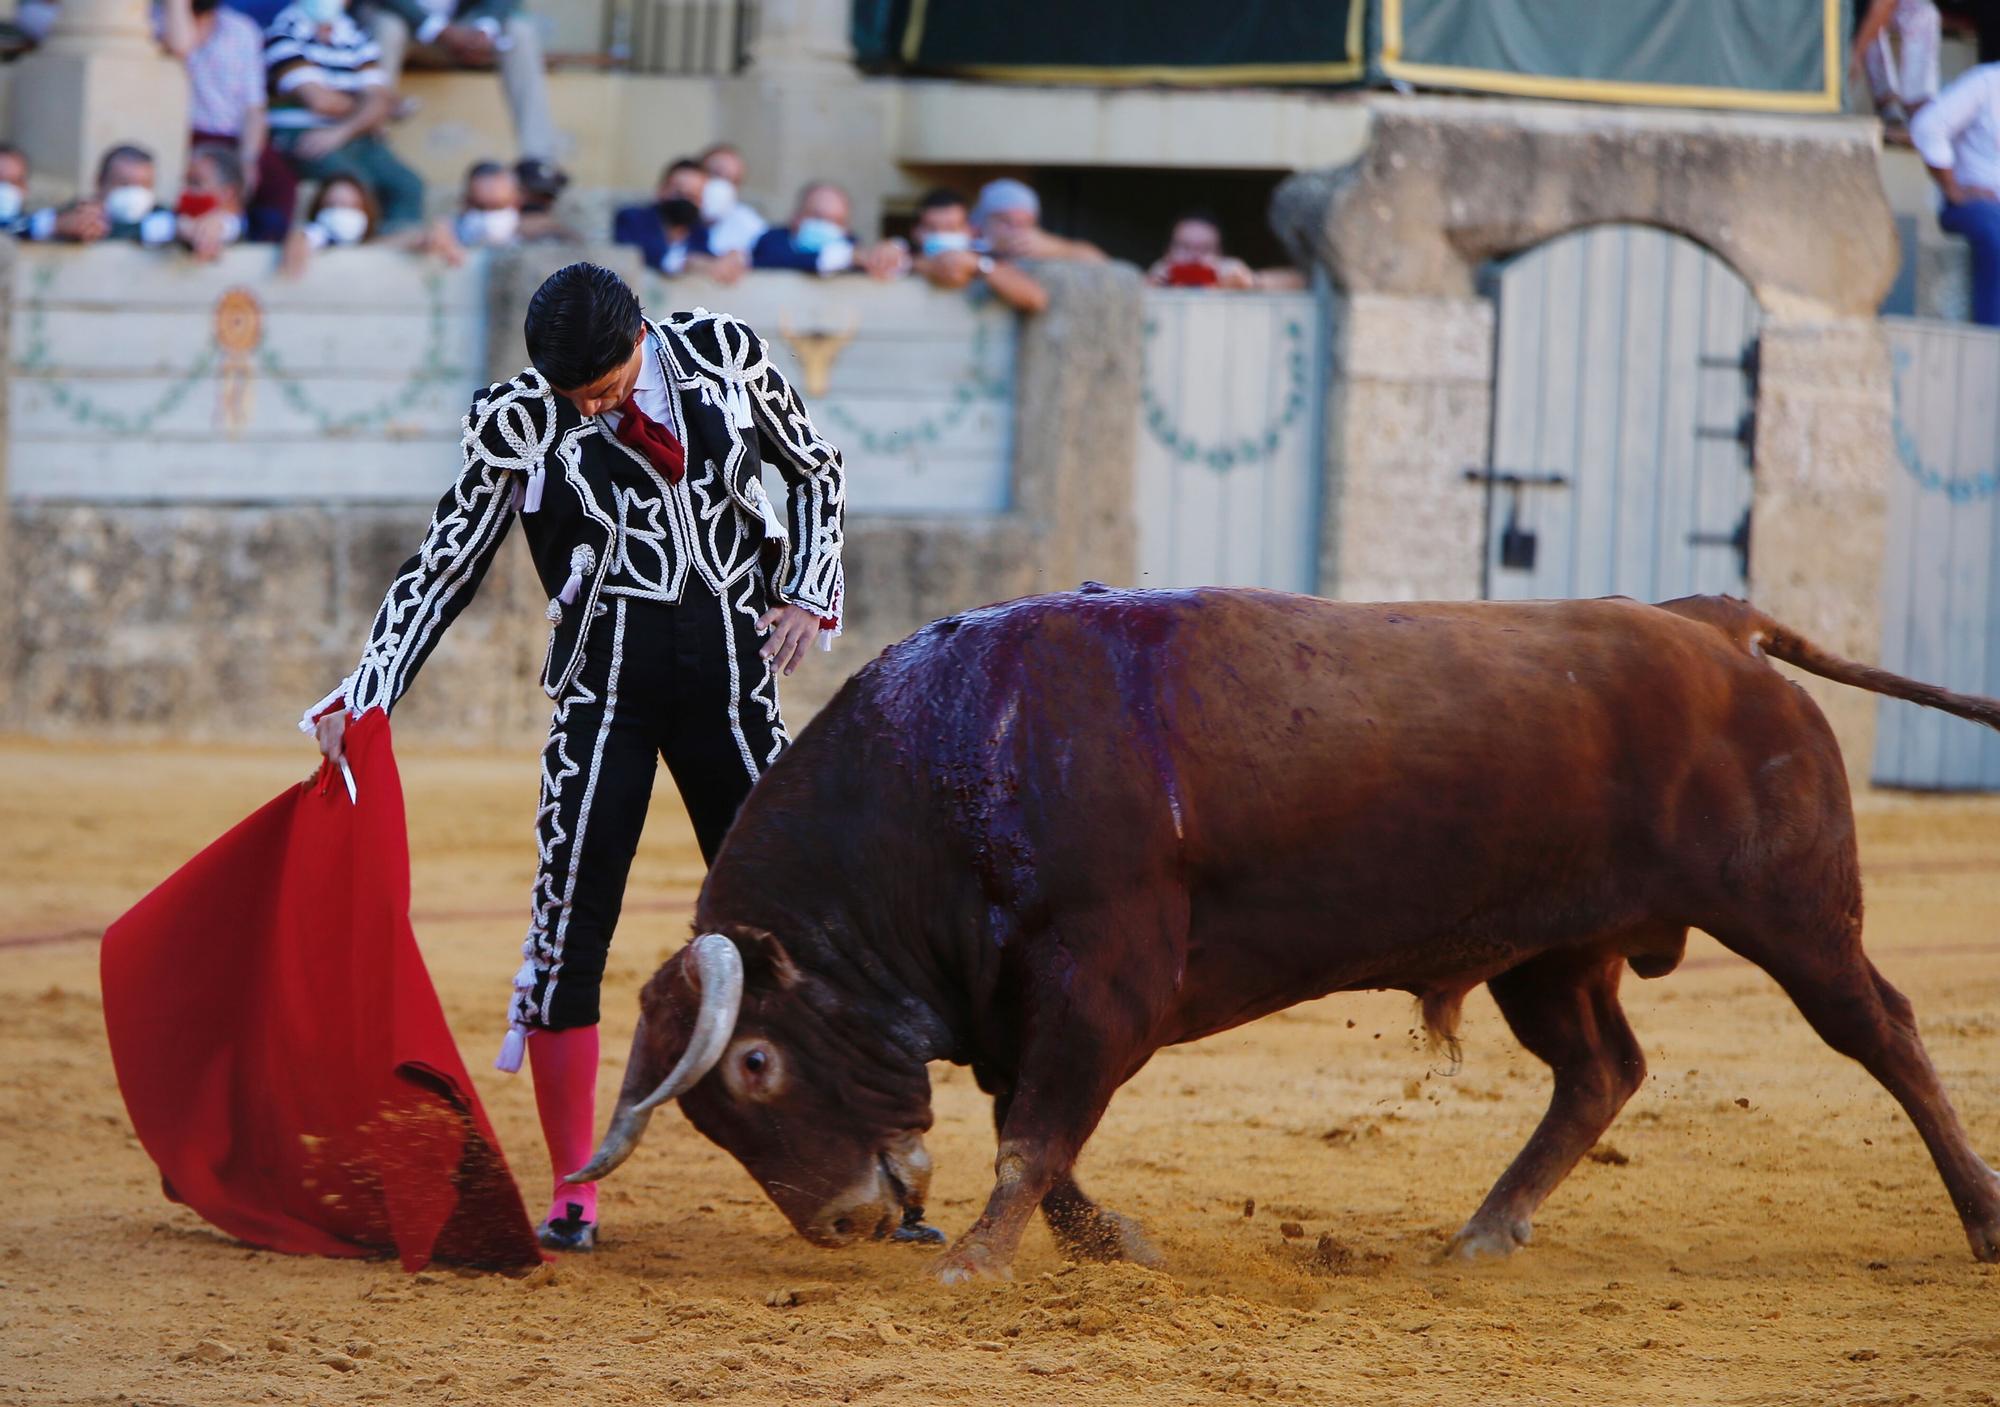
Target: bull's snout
x=890, y=1194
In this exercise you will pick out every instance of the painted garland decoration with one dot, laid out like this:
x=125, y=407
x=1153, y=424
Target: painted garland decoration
x=1248, y=449
x=235, y=343
x=980, y=386
x=1959, y=488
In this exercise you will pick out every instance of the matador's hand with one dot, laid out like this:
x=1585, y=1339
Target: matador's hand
x=792, y=629
x=331, y=734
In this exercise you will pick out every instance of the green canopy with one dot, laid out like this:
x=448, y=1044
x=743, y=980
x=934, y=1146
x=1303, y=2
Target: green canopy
x=1772, y=55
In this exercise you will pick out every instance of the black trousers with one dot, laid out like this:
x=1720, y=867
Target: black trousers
x=680, y=683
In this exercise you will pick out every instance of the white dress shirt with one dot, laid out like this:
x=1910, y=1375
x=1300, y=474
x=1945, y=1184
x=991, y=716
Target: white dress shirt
x=649, y=392
x=1959, y=130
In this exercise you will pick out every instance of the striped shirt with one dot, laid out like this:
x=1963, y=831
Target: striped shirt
x=225, y=74
x=297, y=52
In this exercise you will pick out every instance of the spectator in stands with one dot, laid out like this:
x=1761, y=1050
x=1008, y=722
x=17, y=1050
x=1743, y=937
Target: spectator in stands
x=1009, y=218
x=223, y=50
x=542, y=184
x=1958, y=136
x=670, y=234
x=13, y=188
x=33, y=19
x=1905, y=78
x=490, y=216
x=818, y=240
x=1194, y=258
x=472, y=34
x=949, y=256
x=343, y=215
x=209, y=217
x=122, y=207
x=733, y=227
x=329, y=103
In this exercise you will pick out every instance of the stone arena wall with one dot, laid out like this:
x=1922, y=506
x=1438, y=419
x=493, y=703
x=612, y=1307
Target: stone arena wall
x=210, y=476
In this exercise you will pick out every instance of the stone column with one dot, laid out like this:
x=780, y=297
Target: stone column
x=1825, y=453
x=803, y=112
x=100, y=79
x=1410, y=404
x=12, y=589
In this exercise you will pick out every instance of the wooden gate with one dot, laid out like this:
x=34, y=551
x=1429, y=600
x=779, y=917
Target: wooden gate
x=1940, y=589
x=1623, y=389
x=1228, y=464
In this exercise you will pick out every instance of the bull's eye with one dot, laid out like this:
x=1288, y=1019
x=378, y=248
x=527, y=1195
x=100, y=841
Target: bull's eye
x=753, y=1070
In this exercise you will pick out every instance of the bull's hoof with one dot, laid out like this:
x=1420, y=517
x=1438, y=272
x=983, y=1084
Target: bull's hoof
x=1985, y=1243
x=972, y=1260
x=1107, y=1236
x=1490, y=1239
x=1984, y=1232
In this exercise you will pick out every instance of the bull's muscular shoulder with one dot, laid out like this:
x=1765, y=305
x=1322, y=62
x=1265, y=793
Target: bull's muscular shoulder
x=514, y=420
x=720, y=345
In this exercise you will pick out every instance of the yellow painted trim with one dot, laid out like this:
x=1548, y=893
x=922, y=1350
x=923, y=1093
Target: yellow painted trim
x=913, y=32
x=1161, y=73
x=1392, y=30
x=1533, y=85
x=1186, y=75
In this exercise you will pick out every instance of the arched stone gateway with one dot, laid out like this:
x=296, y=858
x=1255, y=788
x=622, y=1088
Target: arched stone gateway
x=1447, y=186
x=1623, y=382
x=1795, y=205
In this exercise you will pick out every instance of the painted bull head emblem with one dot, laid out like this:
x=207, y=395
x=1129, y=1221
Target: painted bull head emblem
x=817, y=350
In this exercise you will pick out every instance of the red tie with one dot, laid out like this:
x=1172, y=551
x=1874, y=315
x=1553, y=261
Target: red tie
x=652, y=439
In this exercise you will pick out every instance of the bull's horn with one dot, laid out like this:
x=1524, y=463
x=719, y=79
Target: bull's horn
x=720, y=969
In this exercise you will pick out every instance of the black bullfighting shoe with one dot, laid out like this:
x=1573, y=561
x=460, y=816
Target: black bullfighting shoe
x=568, y=1233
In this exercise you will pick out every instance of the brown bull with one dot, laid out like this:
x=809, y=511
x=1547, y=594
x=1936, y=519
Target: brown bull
x=1047, y=838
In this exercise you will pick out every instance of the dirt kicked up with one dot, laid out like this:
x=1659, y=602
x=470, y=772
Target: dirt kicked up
x=1761, y=1225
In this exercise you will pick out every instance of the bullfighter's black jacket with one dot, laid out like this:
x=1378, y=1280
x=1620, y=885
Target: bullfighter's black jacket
x=528, y=450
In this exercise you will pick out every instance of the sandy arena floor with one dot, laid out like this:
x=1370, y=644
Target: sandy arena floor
x=1774, y=1234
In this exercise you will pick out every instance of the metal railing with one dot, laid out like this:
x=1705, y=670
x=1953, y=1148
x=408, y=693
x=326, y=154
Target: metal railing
x=689, y=38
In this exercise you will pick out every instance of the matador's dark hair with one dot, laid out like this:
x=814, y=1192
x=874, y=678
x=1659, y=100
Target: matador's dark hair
x=581, y=324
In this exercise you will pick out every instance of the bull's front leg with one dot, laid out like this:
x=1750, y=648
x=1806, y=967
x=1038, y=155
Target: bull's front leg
x=1054, y=1102
x=1027, y=1166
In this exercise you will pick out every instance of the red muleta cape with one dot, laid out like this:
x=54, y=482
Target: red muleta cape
x=280, y=1047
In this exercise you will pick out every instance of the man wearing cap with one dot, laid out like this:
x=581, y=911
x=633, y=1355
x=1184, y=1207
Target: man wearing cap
x=1008, y=216
x=633, y=452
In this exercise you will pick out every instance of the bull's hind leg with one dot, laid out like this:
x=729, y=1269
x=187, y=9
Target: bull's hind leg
x=1564, y=1008
x=1087, y=1231
x=1859, y=1014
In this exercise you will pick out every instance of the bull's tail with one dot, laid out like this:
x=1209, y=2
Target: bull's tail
x=1756, y=631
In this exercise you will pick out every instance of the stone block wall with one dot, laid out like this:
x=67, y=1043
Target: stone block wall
x=1412, y=401
x=1825, y=453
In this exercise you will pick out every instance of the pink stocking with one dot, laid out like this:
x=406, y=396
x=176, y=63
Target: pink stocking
x=565, y=1065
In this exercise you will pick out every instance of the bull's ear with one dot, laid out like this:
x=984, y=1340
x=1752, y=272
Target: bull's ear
x=765, y=962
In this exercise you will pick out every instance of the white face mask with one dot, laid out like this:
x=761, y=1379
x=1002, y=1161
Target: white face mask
x=489, y=227
x=11, y=197
x=343, y=224
x=718, y=198
x=947, y=241
x=323, y=11
x=128, y=205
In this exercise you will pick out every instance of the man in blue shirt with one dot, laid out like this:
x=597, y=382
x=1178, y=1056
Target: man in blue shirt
x=669, y=233
x=818, y=240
